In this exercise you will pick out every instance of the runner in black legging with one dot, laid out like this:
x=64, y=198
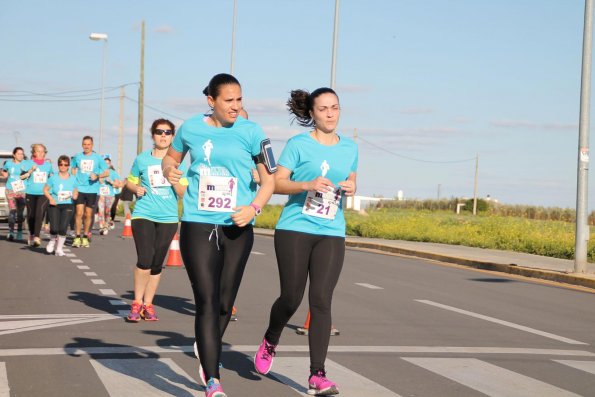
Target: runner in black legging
x=38, y=172
x=219, y=207
x=316, y=169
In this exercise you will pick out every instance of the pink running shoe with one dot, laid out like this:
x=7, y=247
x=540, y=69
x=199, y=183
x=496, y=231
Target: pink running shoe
x=319, y=385
x=214, y=389
x=148, y=313
x=135, y=309
x=263, y=359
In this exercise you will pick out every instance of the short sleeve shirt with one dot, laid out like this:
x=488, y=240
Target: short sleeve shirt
x=225, y=152
x=85, y=165
x=62, y=189
x=38, y=178
x=307, y=159
x=14, y=173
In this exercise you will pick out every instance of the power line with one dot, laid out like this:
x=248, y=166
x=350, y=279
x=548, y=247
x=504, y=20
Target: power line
x=411, y=158
x=20, y=93
x=57, y=100
x=155, y=109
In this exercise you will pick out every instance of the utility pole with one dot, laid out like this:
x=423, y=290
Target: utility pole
x=233, y=35
x=335, y=39
x=582, y=224
x=475, y=185
x=121, y=131
x=141, y=92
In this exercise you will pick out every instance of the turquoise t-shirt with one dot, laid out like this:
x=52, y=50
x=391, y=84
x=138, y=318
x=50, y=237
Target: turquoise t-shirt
x=160, y=202
x=106, y=189
x=38, y=178
x=307, y=159
x=14, y=175
x=85, y=165
x=62, y=189
x=220, y=158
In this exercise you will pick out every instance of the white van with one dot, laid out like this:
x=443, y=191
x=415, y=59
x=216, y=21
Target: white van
x=4, y=155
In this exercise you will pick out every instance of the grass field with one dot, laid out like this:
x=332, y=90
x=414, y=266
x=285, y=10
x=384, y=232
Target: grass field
x=541, y=237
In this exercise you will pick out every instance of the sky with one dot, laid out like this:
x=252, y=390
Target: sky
x=426, y=87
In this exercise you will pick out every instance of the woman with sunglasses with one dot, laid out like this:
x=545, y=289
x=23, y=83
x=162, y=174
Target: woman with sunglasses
x=316, y=169
x=38, y=172
x=154, y=219
x=216, y=234
x=60, y=191
x=15, y=192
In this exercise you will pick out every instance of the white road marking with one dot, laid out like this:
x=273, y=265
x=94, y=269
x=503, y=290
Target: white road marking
x=123, y=313
x=106, y=291
x=587, y=366
x=147, y=377
x=487, y=378
x=76, y=261
x=118, y=302
x=293, y=371
x=66, y=250
x=250, y=349
x=70, y=255
x=257, y=253
x=502, y=322
x=83, y=267
x=91, y=274
x=23, y=323
x=4, y=388
x=97, y=281
x=371, y=286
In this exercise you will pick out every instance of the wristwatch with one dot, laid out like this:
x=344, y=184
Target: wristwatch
x=256, y=208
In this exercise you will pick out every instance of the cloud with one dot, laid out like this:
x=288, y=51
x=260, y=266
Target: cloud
x=414, y=111
x=165, y=29
x=352, y=89
x=523, y=124
x=265, y=107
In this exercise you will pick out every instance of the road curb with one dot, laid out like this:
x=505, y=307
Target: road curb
x=513, y=269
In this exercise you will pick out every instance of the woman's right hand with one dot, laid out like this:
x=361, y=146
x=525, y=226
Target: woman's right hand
x=52, y=202
x=140, y=191
x=172, y=174
x=321, y=185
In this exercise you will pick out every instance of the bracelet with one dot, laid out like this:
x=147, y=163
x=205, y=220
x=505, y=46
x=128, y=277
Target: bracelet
x=257, y=208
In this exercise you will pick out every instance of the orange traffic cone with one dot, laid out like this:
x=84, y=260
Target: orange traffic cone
x=127, y=232
x=173, y=257
x=304, y=330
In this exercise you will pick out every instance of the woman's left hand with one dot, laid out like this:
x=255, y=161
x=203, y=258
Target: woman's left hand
x=348, y=187
x=243, y=215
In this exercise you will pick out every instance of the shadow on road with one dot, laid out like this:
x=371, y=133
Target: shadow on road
x=117, y=358
x=95, y=301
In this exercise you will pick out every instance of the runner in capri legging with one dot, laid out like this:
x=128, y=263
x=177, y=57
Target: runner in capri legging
x=60, y=191
x=219, y=207
x=316, y=169
x=154, y=219
x=15, y=192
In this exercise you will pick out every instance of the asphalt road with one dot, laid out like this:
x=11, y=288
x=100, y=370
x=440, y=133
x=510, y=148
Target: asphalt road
x=409, y=327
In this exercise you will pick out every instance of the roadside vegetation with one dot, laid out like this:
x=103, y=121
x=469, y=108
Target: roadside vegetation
x=533, y=230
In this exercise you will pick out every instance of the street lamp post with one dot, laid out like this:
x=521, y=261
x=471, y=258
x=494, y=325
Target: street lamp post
x=99, y=37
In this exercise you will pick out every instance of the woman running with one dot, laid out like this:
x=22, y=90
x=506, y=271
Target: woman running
x=60, y=191
x=38, y=172
x=220, y=204
x=107, y=193
x=154, y=219
x=15, y=192
x=316, y=169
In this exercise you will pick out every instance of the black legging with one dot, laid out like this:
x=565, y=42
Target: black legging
x=36, y=207
x=215, y=258
x=60, y=216
x=152, y=240
x=300, y=255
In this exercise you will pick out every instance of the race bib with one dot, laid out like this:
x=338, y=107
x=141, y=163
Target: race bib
x=156, y=178
x=217, y=193
x=104, y=190
x=322, y=205
x=18, y=185
x=40, y=177
x=86, y=166
x=64, y=195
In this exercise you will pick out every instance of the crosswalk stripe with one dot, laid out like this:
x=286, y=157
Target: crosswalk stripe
x=4, y=389
x=146, y=377
x=487, y=378
x=293, y=371
x=587, y=366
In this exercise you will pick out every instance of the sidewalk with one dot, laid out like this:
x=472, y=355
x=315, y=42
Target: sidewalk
x=543, y=267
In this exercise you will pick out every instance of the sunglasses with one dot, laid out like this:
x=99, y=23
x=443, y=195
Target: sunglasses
x=63, y=165
x=161, y=132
